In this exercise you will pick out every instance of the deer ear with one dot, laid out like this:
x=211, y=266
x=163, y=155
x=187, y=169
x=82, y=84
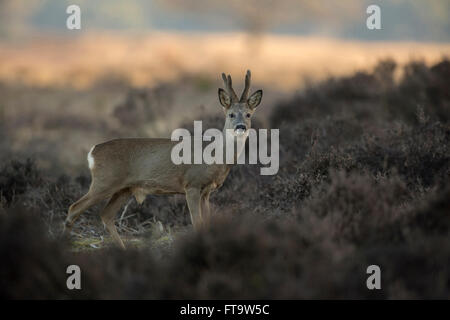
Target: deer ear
x=255, y=99
x=224, y=98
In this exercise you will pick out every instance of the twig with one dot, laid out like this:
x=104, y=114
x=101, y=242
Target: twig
x=124, y=211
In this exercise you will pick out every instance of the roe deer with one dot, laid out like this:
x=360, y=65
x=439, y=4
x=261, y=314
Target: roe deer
x=122, y=168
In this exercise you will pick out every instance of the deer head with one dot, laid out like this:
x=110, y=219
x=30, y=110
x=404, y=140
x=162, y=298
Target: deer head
x=238, y=112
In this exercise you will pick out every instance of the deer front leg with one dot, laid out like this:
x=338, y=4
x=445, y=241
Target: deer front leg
x=193, y=201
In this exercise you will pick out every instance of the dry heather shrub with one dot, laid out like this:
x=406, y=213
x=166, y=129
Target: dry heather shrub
x=375, y=95
x=422, y=86
x=234, y=259
x=417, y=267
x=430, y=218
x=16, y=177
x=242, y=258
x=33, y=266
x=246, y=258
x=117, y=274
x=355, y=207
x=420, y=154
x=52, y=198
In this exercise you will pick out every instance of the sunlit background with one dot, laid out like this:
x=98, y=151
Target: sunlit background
x=144, y=42
x=402, y=19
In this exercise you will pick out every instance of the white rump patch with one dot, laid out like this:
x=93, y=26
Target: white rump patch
x=90, y=158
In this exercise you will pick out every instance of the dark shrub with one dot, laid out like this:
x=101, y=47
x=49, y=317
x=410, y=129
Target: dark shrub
x=323, y=255
x=421, y=154
x=33, y=266
x=374, y=96
x=354, y=207
x=16, y=177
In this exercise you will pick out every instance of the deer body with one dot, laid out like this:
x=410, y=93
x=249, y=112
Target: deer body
x=144, y=167
x=123, y=168
x=145, y=164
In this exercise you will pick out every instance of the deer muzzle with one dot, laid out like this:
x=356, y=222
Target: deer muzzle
x=240, y=129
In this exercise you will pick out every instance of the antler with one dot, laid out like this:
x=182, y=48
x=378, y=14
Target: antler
x=228, y=85
x=244, y=95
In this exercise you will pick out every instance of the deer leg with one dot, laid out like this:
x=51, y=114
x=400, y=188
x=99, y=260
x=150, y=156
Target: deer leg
x=206, y=212
x=78, y=208
x=109, y=212
x=95, y=194
x=193, y=201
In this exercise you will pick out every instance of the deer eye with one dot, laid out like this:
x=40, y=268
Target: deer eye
x=231, y=115
x=248, y=115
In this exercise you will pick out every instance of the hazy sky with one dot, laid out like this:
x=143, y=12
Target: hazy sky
x=421, y=20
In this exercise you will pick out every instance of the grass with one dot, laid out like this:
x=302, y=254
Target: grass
x=93, y=243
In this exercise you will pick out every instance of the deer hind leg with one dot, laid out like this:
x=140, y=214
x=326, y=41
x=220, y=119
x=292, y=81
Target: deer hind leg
x=109, y=212
x=95, y=194
x=78, y=208
x=193, y=201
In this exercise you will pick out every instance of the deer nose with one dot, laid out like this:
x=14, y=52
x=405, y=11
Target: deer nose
x=240, y=127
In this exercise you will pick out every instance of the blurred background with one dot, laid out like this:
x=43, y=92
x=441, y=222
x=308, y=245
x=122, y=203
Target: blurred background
x=76, y=86
x=149, y=41
x=403, y=20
